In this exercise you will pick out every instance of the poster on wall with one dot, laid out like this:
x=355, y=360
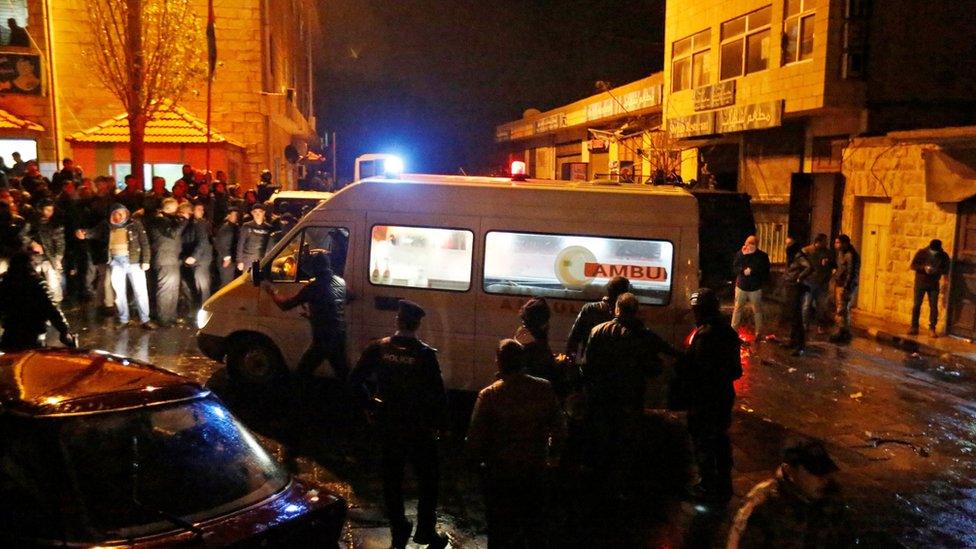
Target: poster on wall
x=20, y=73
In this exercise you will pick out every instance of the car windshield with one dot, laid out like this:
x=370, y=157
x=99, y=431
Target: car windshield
x=116, y=475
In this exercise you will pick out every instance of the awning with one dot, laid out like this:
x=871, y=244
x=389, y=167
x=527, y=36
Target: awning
x=168, y=124
x=9, y=121
x=950, y=174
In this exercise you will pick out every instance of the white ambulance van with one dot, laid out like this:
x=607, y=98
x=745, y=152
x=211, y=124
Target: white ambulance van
x=470, y=250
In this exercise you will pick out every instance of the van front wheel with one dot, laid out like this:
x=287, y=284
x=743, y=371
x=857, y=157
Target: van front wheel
x=254, y=362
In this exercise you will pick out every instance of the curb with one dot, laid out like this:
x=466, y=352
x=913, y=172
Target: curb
x=906, y=343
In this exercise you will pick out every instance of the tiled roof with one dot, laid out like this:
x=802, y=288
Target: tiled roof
x=169, y=124
x=11, y=122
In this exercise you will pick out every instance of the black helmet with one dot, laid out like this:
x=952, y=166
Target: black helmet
x=704, y=302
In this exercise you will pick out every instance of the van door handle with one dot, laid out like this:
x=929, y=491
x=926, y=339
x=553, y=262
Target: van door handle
x=386, y=303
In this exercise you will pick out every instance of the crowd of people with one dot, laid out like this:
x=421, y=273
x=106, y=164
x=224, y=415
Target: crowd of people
x=167, y=247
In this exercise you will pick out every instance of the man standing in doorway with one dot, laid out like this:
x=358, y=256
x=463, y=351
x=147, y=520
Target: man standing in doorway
x=930, y=265
x=751, y=267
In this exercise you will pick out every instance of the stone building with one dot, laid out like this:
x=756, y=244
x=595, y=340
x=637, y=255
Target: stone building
x=767, y=94
x=262, y=91
x=602, y=136
x=904, y=189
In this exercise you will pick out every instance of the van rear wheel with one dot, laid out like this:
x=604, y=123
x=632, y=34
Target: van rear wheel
x=254, y=362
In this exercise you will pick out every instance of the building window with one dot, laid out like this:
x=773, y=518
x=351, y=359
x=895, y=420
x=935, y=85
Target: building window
x=16, y=10
x=576, y=267
x=690, y=61
x=745, y=44
x=169, y=172
x=421, y=257
x=798, y=28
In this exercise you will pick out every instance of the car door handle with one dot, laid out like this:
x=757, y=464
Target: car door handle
x=386, y=303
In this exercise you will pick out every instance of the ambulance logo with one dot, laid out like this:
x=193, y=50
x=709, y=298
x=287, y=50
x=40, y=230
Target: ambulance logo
x=632, y=272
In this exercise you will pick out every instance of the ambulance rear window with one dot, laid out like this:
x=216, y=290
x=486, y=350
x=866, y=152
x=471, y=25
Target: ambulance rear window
x=576, y=267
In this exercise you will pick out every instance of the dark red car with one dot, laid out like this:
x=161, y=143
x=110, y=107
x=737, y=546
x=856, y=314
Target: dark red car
x=97, y=449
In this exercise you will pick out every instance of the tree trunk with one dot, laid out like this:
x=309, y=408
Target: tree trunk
x=137, y=147
x=135, y=105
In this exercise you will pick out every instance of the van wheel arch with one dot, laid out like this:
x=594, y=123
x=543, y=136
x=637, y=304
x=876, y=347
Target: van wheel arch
x=253, y=358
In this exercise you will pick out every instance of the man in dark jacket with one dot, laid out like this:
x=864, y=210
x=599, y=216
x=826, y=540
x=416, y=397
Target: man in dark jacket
x=14, y=231
x=167, y=240
x=252, y=241
x=266, y=187
x=516, y=429
x=225, y=242
x=845, y=280
x=594, y=314
x=198, y=253
x=710, y=366
x=61, y=178
x=930, y=265
x=751, y=268
x=620, y=357
x=325, y=297
x=412, y=410
x=533, y=335
x=132, y=196
x=817, y=281
x=129, y=255
x=800, y=506
x=797, y=272
x=26, y=307
x=47, y=243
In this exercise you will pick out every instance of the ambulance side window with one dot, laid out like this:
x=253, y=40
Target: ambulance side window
x=421, y=257
x=576, y=267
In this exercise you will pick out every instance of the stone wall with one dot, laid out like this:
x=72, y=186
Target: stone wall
x=886, y=169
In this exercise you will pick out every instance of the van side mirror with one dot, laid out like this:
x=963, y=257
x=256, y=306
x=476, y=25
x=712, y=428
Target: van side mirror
x=256, y=273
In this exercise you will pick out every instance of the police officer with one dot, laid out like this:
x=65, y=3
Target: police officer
x=225, y=241
x=325, y=297
x=26, y=307
x=253, y=238
x=710, y=366
x=411, y=392
x=593, y=314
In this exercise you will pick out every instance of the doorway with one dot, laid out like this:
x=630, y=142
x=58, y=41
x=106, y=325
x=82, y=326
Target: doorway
x=962, y=300
x=875, y=225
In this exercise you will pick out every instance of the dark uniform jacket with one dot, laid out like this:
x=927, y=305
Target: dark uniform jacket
x=252, y=242
x=225, y=241
x=620, y=356
x=14, y=236
x=326, y=301
x=26, y=307
x=590, y=315
x=167, y=239
x=408, y=382
x=939, y=261
x=710, y=366
x=196, y=241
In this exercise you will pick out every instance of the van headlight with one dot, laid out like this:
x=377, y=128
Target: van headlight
x=203, y=317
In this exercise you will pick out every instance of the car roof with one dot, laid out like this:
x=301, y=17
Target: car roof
x=58, y=382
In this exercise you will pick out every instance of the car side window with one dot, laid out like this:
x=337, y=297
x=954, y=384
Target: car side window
x=331, y=240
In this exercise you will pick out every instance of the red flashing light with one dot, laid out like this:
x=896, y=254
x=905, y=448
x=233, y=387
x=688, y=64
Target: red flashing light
x=518, y=171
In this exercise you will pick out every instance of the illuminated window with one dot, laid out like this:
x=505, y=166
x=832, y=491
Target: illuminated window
x=798, y=28
x=690, y=61
x=576, y=267
x=745, y=44
x=169, y=172
x=16, y=10
x=421, y=257
x=290, y=265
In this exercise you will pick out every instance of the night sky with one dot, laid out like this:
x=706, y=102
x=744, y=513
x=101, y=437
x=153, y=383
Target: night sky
x=431, y=79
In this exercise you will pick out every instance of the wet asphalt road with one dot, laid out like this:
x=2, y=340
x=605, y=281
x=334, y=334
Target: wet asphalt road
x=902, y=428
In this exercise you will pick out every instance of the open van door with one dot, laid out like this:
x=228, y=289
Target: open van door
x=287, y=270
